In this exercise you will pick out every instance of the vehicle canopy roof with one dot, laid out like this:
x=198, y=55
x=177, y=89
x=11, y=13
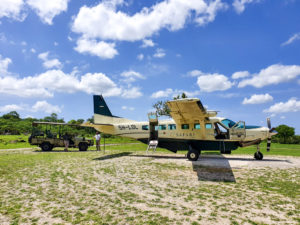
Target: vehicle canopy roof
x=54, y=123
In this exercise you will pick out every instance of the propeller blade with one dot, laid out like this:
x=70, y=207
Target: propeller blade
x=269, y=123
x=268, y=144
x=270, y=131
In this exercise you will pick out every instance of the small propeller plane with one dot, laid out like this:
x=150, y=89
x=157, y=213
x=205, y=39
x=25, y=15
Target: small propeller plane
x=191, y=128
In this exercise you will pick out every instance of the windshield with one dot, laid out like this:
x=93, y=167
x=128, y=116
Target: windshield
x=228, y=123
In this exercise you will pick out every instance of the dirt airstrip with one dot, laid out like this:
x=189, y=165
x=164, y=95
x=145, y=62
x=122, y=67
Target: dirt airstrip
x=136, y=188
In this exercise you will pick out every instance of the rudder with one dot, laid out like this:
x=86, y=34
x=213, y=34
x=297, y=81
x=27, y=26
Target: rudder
x=100, y=106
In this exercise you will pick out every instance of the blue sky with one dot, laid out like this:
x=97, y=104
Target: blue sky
x=240, y=57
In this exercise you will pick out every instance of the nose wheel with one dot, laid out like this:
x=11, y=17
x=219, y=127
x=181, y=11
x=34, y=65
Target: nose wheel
x=258, y=155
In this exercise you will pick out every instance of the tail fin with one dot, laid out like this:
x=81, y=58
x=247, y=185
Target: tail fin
x=102, y=114
x=100, y=106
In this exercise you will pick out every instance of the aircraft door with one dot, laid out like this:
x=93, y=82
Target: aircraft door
x=153, y=126
x=238, y=131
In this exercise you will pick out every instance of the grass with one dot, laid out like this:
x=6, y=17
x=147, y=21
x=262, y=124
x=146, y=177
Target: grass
x=125, y=187
x=122, y=143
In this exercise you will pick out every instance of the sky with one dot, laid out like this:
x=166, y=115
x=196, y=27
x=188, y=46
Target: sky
x=239, y=57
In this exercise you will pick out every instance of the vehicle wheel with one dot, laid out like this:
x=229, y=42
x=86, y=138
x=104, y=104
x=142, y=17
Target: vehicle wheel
x=193, y=155
x=30, y=139
x=46, y=146
x=258, y=156
x=82, y=146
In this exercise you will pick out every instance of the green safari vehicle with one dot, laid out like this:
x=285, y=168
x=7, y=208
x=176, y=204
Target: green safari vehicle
x=48, y=135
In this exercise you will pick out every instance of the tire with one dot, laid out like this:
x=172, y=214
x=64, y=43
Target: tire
x=46, y=146
x=83, y=146
x=258, y=156
x=30, y=139
x=193, y=155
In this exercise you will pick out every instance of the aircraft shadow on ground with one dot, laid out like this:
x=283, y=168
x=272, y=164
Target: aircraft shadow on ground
x=205, y=168
x=112, y=156
x=246, y=159
x=215, y=169
x=159, y=156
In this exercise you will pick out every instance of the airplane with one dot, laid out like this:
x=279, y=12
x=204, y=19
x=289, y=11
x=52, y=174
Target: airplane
x=192, y=127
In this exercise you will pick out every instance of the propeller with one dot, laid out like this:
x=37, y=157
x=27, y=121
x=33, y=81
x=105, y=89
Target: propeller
x=269, y=136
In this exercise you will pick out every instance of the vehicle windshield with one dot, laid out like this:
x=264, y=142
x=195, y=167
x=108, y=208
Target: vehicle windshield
x=228, y=123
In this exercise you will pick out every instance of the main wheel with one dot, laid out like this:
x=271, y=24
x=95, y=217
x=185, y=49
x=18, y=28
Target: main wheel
x=258, y=156
x=193, y=155
x=46, y=146
x=83, y=146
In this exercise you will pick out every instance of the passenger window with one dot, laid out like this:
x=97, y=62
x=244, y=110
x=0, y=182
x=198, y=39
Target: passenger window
x=197, y=126
x=185, y=126
x=172, y=126
x=162, y=127
x=145, y=127
x=208, y=126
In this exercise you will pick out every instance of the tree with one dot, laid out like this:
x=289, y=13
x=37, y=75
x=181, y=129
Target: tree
x=162, y=108
x=91, y=120
x=285, y=132
x=13, y=115
x=53, y=118
x=80, y=121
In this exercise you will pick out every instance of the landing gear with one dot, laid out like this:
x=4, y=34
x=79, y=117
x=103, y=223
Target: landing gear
x=258, y=155
x=193, y=154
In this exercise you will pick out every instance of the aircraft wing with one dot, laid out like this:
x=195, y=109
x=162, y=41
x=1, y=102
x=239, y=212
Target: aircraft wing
x=188, y=110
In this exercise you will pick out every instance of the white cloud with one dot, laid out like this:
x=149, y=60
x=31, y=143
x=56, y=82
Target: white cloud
x=169, y=92
x=133, y=92
x=239, y=5
x=2, y=37
x=273, y=74
x=131, y=76
x=213, y=82
x=12, y=9
x=162, y=93
x=98, y=83
x=147, y=43
x=229, y=95
x=195, y=73
x=45, y=84
x=46, y=107
x=39, y=106
x=4, y=63
x=295, y=37
x=101, y=49
x=9, y=108
x=47, y=10
x=49, y=63
x=33, y=50
x=160, y=53
x=292, y=105
x=240, y=74
x=140, y=57
x=106, y=22
x=127, y=108
x=258, y=99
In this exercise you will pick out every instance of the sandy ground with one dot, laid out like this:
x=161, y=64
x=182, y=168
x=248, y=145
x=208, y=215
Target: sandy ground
x=136, y=188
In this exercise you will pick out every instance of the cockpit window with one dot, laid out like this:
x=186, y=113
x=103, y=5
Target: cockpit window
x=228, y=123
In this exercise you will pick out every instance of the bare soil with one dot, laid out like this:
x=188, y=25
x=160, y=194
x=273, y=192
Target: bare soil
x=136, y=188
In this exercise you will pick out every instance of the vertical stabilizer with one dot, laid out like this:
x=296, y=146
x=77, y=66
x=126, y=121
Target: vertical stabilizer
x=100, y=106
x=102, y=114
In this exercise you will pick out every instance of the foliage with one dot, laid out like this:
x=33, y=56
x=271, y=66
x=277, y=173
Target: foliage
x=12, y=124
x=162, y=108
x=285, y=133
